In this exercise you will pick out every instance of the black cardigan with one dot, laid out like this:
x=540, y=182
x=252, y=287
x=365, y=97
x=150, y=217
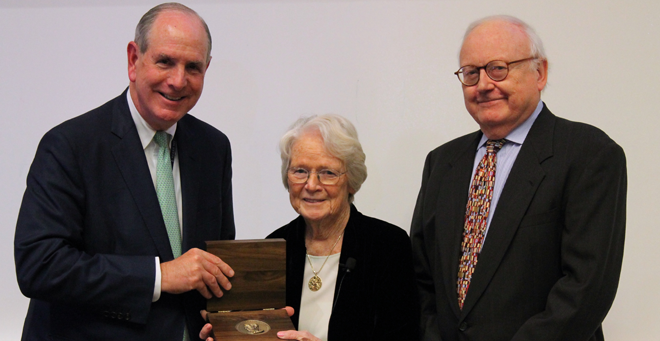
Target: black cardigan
x=378, y=298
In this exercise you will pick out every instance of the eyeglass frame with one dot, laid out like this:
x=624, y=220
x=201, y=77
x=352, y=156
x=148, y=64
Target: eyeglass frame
x=318, y=175
x=485, y=68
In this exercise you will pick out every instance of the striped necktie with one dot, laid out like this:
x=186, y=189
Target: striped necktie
x=476, y=216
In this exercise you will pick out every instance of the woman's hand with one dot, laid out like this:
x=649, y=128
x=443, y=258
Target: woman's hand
x=296, y=335
x=206, y=333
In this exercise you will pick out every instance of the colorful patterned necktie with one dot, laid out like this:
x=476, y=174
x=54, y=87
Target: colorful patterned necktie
x=165, y=191
x=476, y=216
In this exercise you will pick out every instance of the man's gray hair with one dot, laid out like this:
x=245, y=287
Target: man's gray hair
x=535, y=44
x=143, y=27
x=340, y=139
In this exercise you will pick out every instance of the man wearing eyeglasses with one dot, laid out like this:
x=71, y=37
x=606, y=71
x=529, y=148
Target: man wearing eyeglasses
x=518, y=229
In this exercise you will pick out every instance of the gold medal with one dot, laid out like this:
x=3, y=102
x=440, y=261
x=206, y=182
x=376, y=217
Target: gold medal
x=315, y=283
x=253, y=327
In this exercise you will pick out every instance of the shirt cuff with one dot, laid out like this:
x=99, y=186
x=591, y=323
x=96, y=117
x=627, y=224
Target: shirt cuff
x=156, y=295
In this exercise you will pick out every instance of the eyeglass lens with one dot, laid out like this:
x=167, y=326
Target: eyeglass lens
x=497, y=70
x=325, y=176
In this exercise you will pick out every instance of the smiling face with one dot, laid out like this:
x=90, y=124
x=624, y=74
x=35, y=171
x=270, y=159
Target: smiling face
x=318, y=203
x=167, y=79
x=499, y=107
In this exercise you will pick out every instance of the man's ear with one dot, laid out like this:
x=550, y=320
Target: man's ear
x=132, y=52
x=208, y=63
x=542, y=71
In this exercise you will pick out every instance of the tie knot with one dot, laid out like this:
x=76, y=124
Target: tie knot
x=493, y=146
x=162, y=139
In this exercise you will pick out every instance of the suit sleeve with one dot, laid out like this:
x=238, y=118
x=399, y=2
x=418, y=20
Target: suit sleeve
x=397, y=312
x=423, y=272
x=228, y=228
x=51, y=262
x=591, y=251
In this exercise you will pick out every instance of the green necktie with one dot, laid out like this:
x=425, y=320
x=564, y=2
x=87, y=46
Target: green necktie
x=167, y=198
x=165, y=191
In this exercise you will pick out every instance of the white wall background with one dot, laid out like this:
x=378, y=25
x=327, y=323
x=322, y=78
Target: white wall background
x=386, y=65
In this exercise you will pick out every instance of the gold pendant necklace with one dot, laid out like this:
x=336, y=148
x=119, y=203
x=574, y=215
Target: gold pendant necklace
x=315, y=282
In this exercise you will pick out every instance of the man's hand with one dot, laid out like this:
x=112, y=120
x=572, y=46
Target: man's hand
x=196, y=270
x=206, y=333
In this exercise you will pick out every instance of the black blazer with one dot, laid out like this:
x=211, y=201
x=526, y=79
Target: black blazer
x=90, y=226
x=549, y=268
x=378, y=299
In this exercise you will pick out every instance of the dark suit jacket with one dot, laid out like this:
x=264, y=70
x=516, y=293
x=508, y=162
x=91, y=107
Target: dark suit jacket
x=90, y=226
x=378, y=298
x=550, y=265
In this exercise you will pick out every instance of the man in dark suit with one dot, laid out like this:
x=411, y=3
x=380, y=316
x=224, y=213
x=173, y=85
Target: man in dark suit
x=92, y=249
x=540, y=252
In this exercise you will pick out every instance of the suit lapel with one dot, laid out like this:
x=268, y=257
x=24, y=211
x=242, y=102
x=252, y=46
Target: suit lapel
x=351, y=246
x=129, y=156
x=517, y=194
x=451, y=210
x=188, y=147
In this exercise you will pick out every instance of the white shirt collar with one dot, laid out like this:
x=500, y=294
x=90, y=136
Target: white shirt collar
x=145, y=131
x=519, y=133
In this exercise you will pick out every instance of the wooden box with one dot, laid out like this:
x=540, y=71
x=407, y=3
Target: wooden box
x=251, y=310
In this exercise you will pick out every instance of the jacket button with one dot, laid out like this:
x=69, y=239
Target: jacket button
x=120, y=316
x=463, y=326
x=127, y=316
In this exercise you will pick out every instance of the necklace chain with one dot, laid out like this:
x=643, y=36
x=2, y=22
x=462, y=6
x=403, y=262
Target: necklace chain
x=315, y=282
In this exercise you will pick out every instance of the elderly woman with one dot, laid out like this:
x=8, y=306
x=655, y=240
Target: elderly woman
x=349, y=276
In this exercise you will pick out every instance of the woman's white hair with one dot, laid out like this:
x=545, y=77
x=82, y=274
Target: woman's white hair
x=535, y=44
x=341, y=141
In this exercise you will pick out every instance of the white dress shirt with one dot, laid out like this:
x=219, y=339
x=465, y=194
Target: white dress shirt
x=150, y=147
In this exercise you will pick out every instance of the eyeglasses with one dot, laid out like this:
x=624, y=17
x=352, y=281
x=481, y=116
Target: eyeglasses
x=496, y=70
x=325, y=176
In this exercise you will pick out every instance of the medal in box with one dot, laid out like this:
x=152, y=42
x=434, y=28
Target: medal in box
x=252, y=309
